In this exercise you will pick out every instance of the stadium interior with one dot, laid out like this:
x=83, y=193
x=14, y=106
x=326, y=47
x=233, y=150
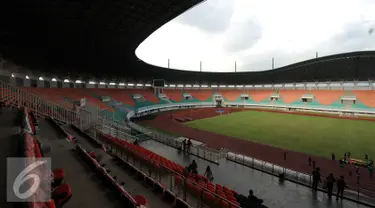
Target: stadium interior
x=64, y=97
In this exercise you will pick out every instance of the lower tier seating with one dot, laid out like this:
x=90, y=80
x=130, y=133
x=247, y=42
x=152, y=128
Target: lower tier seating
x=195, y=184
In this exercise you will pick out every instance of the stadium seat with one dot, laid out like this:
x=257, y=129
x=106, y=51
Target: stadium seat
x=62, y=194
x=141, y=200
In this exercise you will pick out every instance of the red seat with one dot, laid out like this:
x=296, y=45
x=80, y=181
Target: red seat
x=62, y=194
x=141, y=200
x=58, y=176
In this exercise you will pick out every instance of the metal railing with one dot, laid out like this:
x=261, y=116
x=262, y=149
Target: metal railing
x=200, y=151
x=354, y=193
x=188, y=189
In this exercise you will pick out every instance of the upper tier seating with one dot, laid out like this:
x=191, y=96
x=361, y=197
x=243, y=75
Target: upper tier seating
x=367, y=97
x=289, y=96
x=327, y=97
x=202, y=95
x=75, y=94
x=50, y=95
x=260, y=95
x=119, y=95
x=148, y=94
x=231, y=95
x=174, y=95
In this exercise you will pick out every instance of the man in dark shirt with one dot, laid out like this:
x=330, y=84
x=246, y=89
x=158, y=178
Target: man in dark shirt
x=316, y=179
x=340, y=187
x=253, y=201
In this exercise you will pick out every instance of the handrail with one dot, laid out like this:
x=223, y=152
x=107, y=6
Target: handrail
x=301, y=176
x=132, y=151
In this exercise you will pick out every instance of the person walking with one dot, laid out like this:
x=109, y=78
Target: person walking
x=208, y=174
x=189, y=143
x=330, y=180
x=333, y=156
x=284, y=156
x=310, y=161
x=316, y=179
x=341, y=185
x=313, y=164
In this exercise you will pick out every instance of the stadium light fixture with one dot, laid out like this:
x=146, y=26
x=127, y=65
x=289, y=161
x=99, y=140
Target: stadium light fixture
x=148, y=85
x=121, y=84
x=180, y=85
x=12, y=75
x=268, y=86
x=27, y=77
x=222, y=86
x=257, y=86
x=204, y=86
x=248, y=86
x=78, y=81
x=112, y=83
x=213, y=85
x=188, y=85
x=196, y=86
x=239, y=86
x=130, y=84
x=102, y=83
x=139, y=85
x=41, y=78
x=54, y=80
x=172, y=85
x=230, y=86
x=66, y=80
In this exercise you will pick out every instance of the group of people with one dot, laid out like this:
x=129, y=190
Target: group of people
x=193, y=169
x=329, y=183
x=186, y=145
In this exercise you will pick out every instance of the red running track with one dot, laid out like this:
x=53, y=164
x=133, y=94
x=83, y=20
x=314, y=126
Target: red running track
x=295, y=160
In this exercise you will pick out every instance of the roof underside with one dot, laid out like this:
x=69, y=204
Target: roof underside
x=88, y=39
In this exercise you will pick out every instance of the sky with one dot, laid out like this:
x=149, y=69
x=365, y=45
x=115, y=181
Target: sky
x=219, y=33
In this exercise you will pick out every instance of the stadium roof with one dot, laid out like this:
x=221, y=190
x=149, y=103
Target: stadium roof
x=96, y=39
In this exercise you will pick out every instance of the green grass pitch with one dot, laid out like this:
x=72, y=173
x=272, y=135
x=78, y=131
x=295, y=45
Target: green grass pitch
x=309, y=134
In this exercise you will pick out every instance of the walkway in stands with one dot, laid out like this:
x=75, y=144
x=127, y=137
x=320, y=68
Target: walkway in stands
x=9, y=142
x=132, y=186
x=87, y=189
x=269, y=188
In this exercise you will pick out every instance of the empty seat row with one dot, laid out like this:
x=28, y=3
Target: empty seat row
x=116, y=187
x=59, y=192
x=157, y=187
x=196, y=183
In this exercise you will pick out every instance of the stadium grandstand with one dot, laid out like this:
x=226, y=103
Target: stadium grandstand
x=117, y=138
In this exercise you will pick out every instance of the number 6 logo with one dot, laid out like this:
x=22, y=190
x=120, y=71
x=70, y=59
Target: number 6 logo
x=23, y=177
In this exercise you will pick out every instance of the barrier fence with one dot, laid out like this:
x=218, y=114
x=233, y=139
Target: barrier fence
x=354, y=193
x=199, y=151
x=42, y=107
x=195, y=194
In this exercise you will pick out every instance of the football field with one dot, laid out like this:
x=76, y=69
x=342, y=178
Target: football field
x=309, y=134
